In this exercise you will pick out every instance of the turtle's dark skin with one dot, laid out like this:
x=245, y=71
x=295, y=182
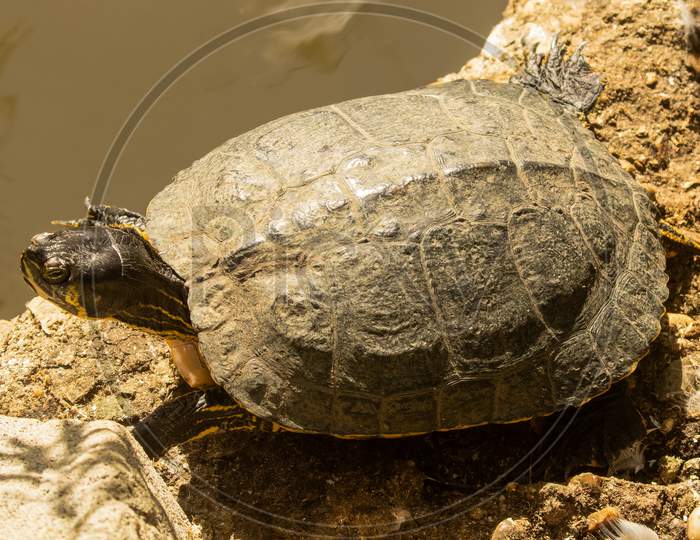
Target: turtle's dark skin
x=435, y=259
x=108, y=272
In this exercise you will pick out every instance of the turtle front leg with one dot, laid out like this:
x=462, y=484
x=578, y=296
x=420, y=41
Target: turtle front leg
x=189, y=363
x=193, y=416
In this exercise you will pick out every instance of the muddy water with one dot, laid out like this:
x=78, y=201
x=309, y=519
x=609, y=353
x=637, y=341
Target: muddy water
x=72, y=72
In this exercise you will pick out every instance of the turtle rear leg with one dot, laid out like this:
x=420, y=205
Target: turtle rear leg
x=677, y=240
x=193, y=416
x=570, y=82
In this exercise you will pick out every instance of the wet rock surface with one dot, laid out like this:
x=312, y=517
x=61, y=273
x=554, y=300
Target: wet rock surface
x=635, y=449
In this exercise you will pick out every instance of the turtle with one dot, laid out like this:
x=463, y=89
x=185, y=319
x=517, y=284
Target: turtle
x=454, y=255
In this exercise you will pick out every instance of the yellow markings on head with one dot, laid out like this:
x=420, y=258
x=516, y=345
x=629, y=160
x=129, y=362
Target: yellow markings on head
x=167, y=314
x=72, y=298
x=29, y=274
x=172, y=297
x=164, y=334
x=156, y=324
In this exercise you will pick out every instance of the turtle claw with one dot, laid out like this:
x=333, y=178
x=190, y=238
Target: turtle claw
x=107, y=216
x=570, y=82
x=160, y=430
x=677, y=240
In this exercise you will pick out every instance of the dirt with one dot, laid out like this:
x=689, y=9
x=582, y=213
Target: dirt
x=635, y=448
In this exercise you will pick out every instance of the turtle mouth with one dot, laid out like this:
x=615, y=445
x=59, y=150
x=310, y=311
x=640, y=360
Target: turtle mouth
x=42, y=270
x=49, y=276
x=31, y=272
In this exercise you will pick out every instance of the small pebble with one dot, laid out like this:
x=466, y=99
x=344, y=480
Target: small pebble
x=694, y=525
x=679, y=321
x=477, y=513
x=659, y=142
x=651, y=79
x=587, y=480
x=691, y=470
x=667, y=425
x=511, y=529
x=401, y=515
x=669, y=467
x=628, y=166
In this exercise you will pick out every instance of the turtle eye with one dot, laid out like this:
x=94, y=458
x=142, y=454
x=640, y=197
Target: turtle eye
x=55, y=271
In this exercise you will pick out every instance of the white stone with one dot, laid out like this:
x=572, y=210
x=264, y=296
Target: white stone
x=79, y=480
x=49, y=315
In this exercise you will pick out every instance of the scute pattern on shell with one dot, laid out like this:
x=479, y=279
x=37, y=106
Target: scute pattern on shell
x=433, y=259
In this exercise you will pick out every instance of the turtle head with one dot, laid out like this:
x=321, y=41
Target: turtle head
x=101, y=271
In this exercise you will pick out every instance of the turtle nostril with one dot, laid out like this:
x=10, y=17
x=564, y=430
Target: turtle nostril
x=39, y=238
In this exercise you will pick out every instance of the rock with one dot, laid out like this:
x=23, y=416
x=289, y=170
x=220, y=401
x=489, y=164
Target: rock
x=401, y=516
x=690, y=470
x=669, y=467
x=667, y=425
x=5, y=329
x=512, y=529
x=587, y=480
x=694, y=525
x=70, y=479
x=556, y=508
x=692, y=406
x=49, y=315
x=679, y=322
x=56, y=365
x=629, y=458
x=651, y=79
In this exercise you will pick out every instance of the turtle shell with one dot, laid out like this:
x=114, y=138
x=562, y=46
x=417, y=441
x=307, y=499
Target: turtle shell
x=434, y=259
